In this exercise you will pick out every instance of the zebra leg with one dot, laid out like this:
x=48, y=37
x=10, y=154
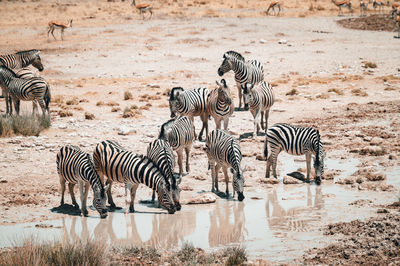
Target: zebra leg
x=240, y=94
x=226, y=123
x=62, y=183
x=212, y=166
x=225, y=170
x=180, y=155
x=187, y=150
x=274, y=159
x=204, y=119
x=217, y=167
x=153, y=196
x=266, y=116
x=267, y=171
x=255, y=114
x=71, y=192
x=82, y=190
x=133, y=194
x=308, y=162
x=217, y=123
x=42, y=106
x=109, y=196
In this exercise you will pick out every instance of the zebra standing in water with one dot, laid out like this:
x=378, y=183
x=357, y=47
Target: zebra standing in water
x=224, y=151
x=245, y=71
x=294, y=140
x=160, y=153
x=33, y=89
x=260, y=99
x=179, y=133
x=220, y=105
x=118, y=164
x=75, y=166
x=190, y=103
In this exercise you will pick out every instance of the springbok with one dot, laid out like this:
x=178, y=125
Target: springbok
x=344, y=4
x=272, y=6
x=143, y=8
x=58, y=25
x=395, y=8
x=379, y=4
x=363, y=7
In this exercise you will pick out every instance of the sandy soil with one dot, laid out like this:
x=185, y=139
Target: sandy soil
x=321, y=72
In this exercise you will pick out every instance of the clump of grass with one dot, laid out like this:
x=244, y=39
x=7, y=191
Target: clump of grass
x=187, y=252
x=359, y=92
x=55, y=253
x=128, y=95
x=236, y=256
x=26, y=125
x=390, y=89
x=131, y=112
x=89, y=116
x=322, y=96
x=58, y=99
x=73, y=101
x=100, y=103
x=369, y=65
x=337, y=91
x=64, y=113
x=292, y=92
x=146, y=253
x=112, y=103
x=115, y=109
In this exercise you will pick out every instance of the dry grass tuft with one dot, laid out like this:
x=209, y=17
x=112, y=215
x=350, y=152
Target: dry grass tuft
x=337, y=91
x=26, y=125
x=58, y=100
x=115, y=109
x=322, y=96
x=64, y=113
x=89, y=116
x=359, y=92
x=100, y=103
x=132, y=111
x=236, y=256
x=292, y=92
x=128, y=95
x=369, y=65
x=112, y=103
x=73, y=101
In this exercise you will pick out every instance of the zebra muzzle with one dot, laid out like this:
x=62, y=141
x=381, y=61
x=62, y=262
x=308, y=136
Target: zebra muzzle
x=240, y=196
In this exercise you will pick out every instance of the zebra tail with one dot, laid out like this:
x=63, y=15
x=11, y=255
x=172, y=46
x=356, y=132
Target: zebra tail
x=266, y=146
x=47, y=97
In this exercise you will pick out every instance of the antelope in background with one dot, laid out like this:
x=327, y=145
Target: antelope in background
x=272, y=6
x=58, y=25
x=395, y=8
x=344, y=4
x=363, y=7
x=379, y=4
x=143, y=8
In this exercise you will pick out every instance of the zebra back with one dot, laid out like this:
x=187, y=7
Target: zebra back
x=21, y=59
x=220, y=103
x=191, y=102
x=179, y=132
x=25, y=73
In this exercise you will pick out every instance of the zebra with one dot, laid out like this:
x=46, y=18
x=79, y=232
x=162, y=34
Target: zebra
x=179, y=133
x=33, y=89
x=75, y=166
x=121, y=165
x=245, y=71
x=224, y=151
x=22, y=59
x=190, y=103
x=160, y=153
x=261, y=98
x=25, y=73
x=295, y=140
x=220, y=105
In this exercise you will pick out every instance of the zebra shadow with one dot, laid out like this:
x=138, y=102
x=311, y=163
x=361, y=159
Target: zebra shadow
x=237, y=109
x=66, y=209
x=249, y=135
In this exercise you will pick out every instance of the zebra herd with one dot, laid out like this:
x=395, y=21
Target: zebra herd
x=112, y=162
x=19, y=83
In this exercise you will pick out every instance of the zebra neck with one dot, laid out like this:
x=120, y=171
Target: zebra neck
x=25, y=60
x=238, y=67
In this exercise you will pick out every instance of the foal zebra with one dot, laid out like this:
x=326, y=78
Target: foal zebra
x=245, y=71
x=224, y=151
x=22, y=59
x=33, y=89
x=260, y=99
x=294, y=140
x=160, y=153
x=190, y=103
x=220, y=105
x=118, y=164
x=179, y=133
x=75, y=166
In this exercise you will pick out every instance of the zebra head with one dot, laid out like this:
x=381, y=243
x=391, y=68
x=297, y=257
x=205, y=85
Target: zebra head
x=247, y=94
x=37, y=62
x=99, y=199
x=175, y=100
x=224, y=92
x=238, y=182
x=225, y=66
x=176, y=194
x=164, y=196
x=319, y=160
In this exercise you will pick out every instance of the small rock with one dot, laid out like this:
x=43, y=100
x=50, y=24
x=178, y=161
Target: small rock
x=291, y=180
x=199, y=177
x=62, y=126
x=263, y=41
x=373, y=150
x=260, y=158
x=202, y=199
x=382, y=211
x=271, y=180
x=124, y=130
x=282, y=41
x=376, y=141
x=186, y=188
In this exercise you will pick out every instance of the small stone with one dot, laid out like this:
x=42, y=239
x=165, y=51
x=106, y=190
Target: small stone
x=376, y=141
x=202, y=199
x=271, y=180
x=288, y=180
x=282, y=41
x=263, y=41
x=62, y=126
x=382, y=211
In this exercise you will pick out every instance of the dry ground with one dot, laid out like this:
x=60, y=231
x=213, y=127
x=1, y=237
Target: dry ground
x=322, y=75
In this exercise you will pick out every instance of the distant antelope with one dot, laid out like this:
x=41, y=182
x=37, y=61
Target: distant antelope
x=363, y=7
x=344, y=4
x=379, y=4
x=395, y=9
x=398, y=25
x=272, y=6
x=143, y=8
x=58, y=25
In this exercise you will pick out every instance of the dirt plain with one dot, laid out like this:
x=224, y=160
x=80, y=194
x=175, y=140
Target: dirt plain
x=345, y=82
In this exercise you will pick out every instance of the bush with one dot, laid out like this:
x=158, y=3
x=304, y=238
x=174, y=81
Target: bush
x=127, y=95
x=236, y=256
x=26, y=125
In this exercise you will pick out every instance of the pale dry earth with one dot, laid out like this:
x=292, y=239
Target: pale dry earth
x=318, y=71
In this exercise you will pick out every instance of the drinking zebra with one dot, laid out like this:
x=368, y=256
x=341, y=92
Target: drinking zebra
x=33, y=89
x=75, y=166
x=245, y=71
x=160, y=153
x=224, y=151
x=179, y=132
x=22, y=59
x=220, y=105
x=260, y=99
x=190, y=103
x=294, y=140
x=121, y=165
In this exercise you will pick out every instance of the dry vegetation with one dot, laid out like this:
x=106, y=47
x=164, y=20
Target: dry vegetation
x=26, y=125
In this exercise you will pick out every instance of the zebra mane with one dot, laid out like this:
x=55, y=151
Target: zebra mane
x=27, y=52
x=172, y=177
x=234, y=54
x=162, y=130
x=172, y=95
x=9, y=71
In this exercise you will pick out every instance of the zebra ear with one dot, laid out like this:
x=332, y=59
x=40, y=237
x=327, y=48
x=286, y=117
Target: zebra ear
x=224, y=56
x=223, y=82
x=218, y=84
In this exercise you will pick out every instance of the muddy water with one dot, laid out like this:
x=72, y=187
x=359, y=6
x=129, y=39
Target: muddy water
x=278, y=224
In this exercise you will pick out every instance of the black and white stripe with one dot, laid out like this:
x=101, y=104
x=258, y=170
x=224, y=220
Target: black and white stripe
x=224, y=151
x=179, y=132
x=22, y=59
x=162, y=155
x=245, y=71
x=25, y=73
x=121, y=165
x=220, y=104
x=295, y=140
x=24, y=89
x=190, y=103
x=260, y=99
x=75, y=166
